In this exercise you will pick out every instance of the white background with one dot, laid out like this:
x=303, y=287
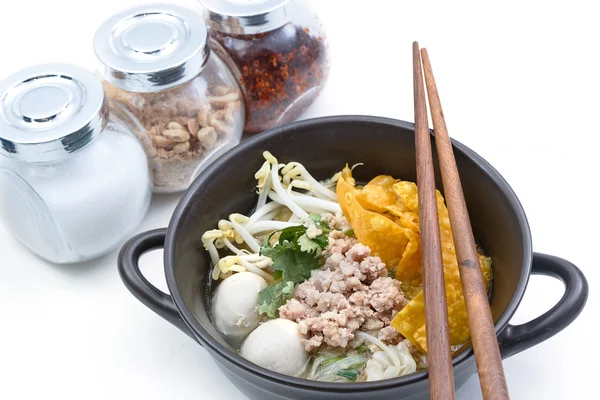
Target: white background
x=519, y=85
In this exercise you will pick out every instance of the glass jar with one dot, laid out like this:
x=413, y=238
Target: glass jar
x=74, y=182
x=163, y=81
x=276, y=49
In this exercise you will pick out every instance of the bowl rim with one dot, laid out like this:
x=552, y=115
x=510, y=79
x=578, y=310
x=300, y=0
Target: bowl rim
x=225, y=354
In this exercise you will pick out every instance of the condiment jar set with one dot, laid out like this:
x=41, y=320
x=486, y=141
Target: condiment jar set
x=81, y=154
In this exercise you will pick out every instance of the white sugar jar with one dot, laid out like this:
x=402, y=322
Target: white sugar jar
x=74, y=182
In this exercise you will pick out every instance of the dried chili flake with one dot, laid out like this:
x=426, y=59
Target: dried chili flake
x=276, y=69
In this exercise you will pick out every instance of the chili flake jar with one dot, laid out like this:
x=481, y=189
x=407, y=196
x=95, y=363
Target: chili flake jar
x=177, y=96
x=74, y=182
x=278, y=52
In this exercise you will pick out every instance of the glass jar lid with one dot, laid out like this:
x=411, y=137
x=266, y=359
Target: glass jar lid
x=246, y=16
x=152, y=47
x=48, y=111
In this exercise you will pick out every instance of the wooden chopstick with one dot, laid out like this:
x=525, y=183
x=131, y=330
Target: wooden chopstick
x=439, y=358
x=481, y=324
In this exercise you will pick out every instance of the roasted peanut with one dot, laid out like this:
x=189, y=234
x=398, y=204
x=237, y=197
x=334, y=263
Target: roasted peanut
x=193, y=126
x=220, y=115
x=207, y=137
x=177, y=135
x=203, y=117
x=162, y=142
x=181, y=148
x=153, y=131
x=175, y=125
x=221, y=101
x=229, y=111
x=221, y=90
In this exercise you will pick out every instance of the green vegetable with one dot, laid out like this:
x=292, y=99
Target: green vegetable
x=331, y=361
x=295, y=255
x=316, y=218
x=330, y=364
x=309, y=246
x=290, y=234
x=322, y=241
x=350, y=374
x=319, y=224
x=294, y=265
x=361, y=349
x=274, y=296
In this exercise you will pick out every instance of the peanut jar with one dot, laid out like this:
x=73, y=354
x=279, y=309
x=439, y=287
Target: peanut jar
x=178, y=97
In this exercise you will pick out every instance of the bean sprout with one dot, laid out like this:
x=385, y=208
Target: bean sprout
x=284, y=198
x=293, y=170
x=248, y=238
x=230, y=246
x=263, y=226
x=276, y=185
x=262, y=212
x=308, y=202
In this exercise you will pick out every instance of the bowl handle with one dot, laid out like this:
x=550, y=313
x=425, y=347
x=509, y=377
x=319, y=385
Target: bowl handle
x=516, y=338
x=144, y=291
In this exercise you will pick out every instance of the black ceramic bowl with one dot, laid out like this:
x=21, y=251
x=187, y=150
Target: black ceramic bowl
x=324, y=146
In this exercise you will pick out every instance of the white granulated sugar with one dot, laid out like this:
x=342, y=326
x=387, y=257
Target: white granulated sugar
x=96, y=197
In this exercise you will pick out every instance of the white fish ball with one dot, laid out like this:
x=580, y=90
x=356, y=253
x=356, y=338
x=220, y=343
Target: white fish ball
x=235, y=305
x=277, y=346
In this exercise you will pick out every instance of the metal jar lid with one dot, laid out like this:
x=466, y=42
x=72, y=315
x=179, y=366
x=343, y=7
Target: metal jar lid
x=246, y=16
x=152, y=47
x=49, y=111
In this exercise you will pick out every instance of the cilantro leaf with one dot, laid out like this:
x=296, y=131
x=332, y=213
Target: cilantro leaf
x=294, y=263
x=322, y=241
x=316, y=218
x=309, y=246
x=274, y=296
x=308, y=262
x=288, y=289
x=291, y=234
x=320, y=224
x=295, y=255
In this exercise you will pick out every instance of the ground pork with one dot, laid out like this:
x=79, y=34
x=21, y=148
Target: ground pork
x=389, y=335
x=336, y=221
x=352, y=291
